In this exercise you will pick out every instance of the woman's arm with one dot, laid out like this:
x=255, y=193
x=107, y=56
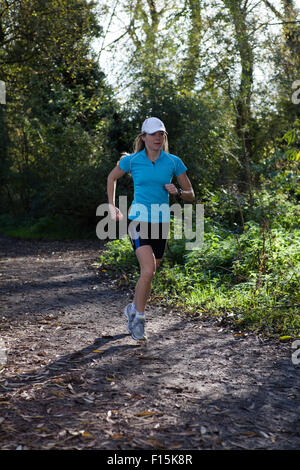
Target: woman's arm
x=115, y=174
x=187, y=193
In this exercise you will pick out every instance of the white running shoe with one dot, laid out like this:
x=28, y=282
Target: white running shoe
x=138, y=327
x=129, y=312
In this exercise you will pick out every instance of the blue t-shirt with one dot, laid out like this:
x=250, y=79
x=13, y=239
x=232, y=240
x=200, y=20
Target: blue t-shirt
x=151, y=199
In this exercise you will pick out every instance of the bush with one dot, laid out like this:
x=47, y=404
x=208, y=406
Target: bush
x=251, y=277
x=56, y=227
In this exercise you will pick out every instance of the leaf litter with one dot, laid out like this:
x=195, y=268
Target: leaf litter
x=75, y=379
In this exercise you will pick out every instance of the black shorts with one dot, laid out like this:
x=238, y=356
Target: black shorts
x=148, y=233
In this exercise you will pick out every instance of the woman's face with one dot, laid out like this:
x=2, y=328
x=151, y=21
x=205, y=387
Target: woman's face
x=154, y=141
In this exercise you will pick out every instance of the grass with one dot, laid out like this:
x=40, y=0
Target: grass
x=55, y=227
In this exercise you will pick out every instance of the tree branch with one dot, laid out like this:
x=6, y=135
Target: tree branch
x=276, y=12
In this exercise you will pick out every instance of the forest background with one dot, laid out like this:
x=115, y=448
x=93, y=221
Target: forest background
x=224, y=76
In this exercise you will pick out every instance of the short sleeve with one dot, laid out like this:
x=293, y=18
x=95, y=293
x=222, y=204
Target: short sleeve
x=125, y=163
x=179, y=167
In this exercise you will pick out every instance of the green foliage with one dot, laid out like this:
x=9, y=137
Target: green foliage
x=199, y=127
x=251, y=278
x=119, y=258
x=55, y=227
x=59, y=112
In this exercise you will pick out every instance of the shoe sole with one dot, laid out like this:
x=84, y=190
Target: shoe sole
x=143, y=338
x=139, y=339
x=127, y=316
x=136, y=338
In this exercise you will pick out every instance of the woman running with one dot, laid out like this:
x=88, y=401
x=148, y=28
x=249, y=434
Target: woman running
x=152, y=168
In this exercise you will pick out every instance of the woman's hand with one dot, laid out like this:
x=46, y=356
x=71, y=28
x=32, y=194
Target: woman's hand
x=115, y=213
x=171, y=188
x=186, y=193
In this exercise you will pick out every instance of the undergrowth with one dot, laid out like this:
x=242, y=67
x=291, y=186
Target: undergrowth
x=251, y=277
x=51, y=227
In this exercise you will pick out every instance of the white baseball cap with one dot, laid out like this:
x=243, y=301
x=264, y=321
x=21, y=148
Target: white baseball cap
x=152, y=125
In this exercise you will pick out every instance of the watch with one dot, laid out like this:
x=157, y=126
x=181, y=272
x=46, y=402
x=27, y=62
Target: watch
x=179, y=193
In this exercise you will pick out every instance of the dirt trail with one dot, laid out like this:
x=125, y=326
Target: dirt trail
x=75, y=379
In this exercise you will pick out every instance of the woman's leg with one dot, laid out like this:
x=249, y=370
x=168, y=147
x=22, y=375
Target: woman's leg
x=148, y=265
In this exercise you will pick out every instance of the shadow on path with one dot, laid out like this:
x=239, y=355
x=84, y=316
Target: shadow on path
x=78, y=381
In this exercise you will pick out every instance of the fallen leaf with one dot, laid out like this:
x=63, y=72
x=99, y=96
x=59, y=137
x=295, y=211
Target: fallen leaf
x=73, y=432
x=137, y=397
x=87, y=434
x=176, y=445
x=285, y=338
x=108, y=417
x=116, y=436
x=262, y=433
x=58, y=393
x=145, y=413
x=156, y=443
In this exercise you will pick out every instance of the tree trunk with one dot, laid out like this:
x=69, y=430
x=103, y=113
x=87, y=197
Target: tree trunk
x=192, y=60
x=243, y=99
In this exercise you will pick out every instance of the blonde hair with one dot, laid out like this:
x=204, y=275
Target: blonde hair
x=139, y=144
